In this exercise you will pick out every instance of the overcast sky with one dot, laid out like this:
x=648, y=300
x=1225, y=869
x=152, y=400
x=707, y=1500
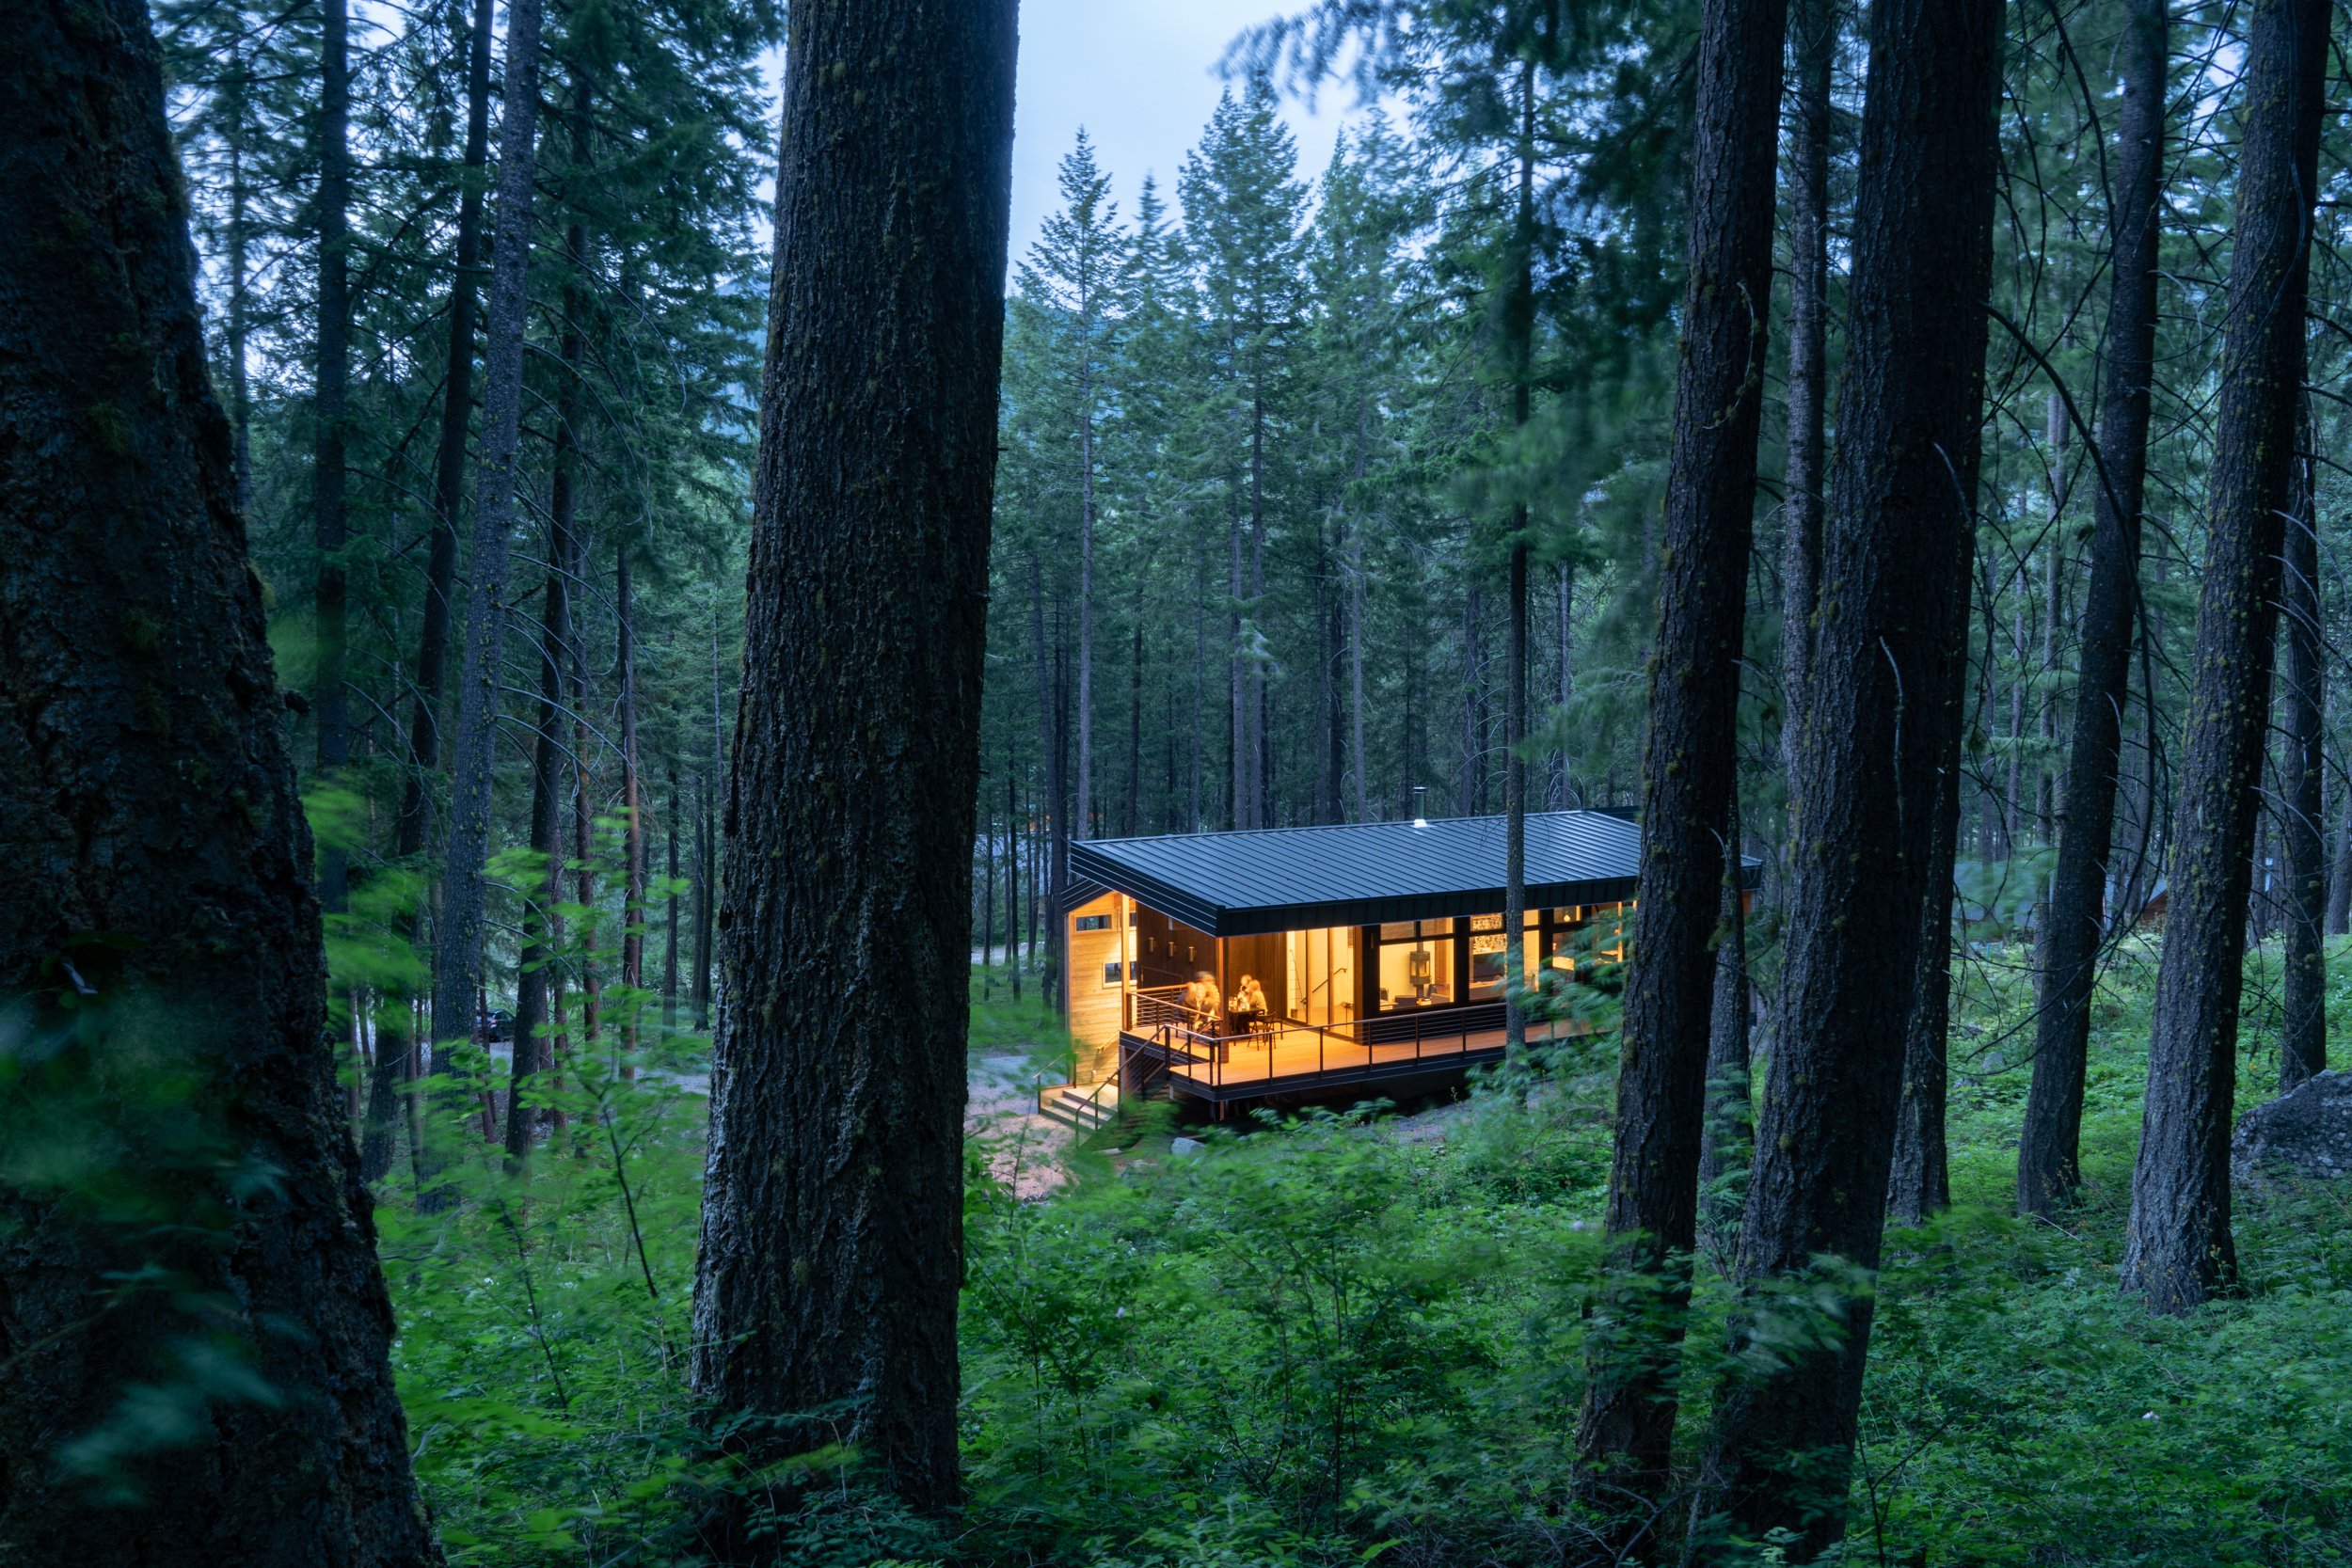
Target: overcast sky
x=1140, y=75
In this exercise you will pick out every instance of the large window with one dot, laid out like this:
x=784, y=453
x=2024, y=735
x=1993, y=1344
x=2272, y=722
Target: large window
x=1416, y=965
x=1322, y=975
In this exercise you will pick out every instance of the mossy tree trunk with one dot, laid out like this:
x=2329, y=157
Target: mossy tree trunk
x=188, y=1238
x=2049, y=1168
x=832, y=1210
x=2179, y=1250
x=1634, y=1338
x=1872, y=757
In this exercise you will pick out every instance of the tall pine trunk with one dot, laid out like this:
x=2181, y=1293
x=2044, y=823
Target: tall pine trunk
x=2179, y=1250
x=670, y=912
x=1728, y=1133
x=1518, y=336
x=2303, y=1034
x=458, y=948
x=396, y=1058
x=1873, y=749
x=330, y=523
x=1813, y=38
x=832, y=1200
x=633, y=810
x=2048, y=1161
x=161, y=966
x=1634, y=1339
x=541, y=930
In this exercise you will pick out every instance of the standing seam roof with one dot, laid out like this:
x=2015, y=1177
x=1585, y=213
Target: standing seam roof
x=1363, y=873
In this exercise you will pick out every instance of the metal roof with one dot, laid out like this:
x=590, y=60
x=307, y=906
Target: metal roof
x=1364, y=873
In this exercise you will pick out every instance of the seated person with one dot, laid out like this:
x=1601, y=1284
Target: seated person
x=1249, y=1003
x=1200, y=1002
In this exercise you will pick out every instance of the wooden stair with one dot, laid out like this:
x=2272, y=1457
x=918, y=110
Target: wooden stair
x=1085, y=1109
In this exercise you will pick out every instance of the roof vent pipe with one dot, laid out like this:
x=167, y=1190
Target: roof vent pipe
x=1420, y=801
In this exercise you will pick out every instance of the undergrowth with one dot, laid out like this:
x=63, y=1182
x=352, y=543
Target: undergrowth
x=1320, y=1343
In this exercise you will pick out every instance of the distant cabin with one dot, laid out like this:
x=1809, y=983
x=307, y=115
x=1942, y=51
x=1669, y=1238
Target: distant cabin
x=1378, y=948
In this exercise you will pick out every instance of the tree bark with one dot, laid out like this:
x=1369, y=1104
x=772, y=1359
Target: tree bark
x=2049, y=1168
x=831, y=1246
x=542, y=928
x=1518, y=333
x=1562, y=782
x=1728, y=1133
x=396, y=1058
x=457, y=955
x=1049, y=735
x=1813, y=40
x=1919, y=1181
x=1886, y=678
x=706, y=850
x=1356, y=617
x=633, y=808
x=670, y=911
x=161, y=966
x=1635, y=1336
x=2179, y=1250
x=330, y=703
x=1134, y=731
x=2303, y=1036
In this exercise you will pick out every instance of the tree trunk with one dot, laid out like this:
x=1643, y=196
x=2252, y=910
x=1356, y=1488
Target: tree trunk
x=2047, y=804
x=542, y=928
x=988, y=905
x=1562, y=782
x=1134, y=731
x=1635, y=1337
x=669, y=932
x=1729, y=1131
x=161, y=965
x=396, y=1058
x=705, y=854
x=2339, y=882
x=1919, y=1181
x=457, y=957
x=330, y=702
x=589, y=939
x=1084, y=814
x=1356, y=619
x=831, y=1214
x=1012, y=872
x=2179, y=1250
x=1886, y=678
x=1237, y=664
x=1812, y=38
x=633, y=810
x=2303, y=1037
x=238, y=328
x=1518, y=336
x=1473, y=798
x=1049, y=735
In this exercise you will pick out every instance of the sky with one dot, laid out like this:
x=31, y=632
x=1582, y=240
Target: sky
x=1140, y=75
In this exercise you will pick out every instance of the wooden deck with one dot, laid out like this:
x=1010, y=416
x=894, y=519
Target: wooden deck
x=1290, y=1058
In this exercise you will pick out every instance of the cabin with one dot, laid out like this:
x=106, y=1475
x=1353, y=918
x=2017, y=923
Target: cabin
x=1377, y=949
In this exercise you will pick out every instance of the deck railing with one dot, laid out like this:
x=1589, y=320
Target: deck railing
x=1388, y=1044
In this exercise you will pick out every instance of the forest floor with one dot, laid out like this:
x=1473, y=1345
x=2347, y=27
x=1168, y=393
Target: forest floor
x=1349, y=1338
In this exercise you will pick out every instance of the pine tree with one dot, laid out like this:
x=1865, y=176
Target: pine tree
x=833, y=1204
x=161, y=964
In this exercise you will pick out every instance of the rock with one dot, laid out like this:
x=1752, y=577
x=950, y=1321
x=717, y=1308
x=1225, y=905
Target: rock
x=1187, y=1145
x=2301, y=1137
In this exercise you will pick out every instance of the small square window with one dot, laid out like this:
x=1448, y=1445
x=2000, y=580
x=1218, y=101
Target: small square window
x=1110, y=973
